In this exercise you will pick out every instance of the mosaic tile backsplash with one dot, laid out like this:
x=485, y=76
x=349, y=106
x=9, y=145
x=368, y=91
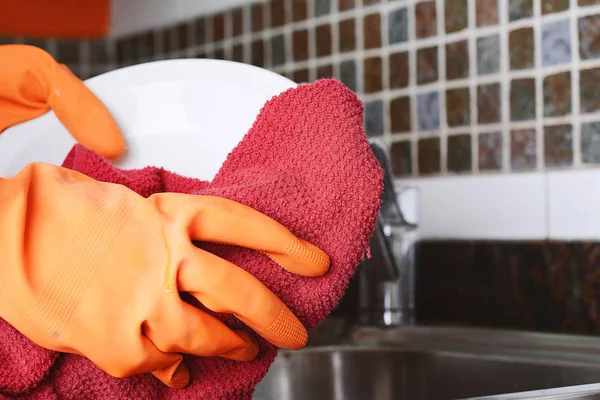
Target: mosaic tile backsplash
x=451, y=86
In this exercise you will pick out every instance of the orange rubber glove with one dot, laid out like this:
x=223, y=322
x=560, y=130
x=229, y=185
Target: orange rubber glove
x=94, y=269
x=33, y=83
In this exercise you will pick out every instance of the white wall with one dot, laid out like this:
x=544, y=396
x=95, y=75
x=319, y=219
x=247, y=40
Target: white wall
x=129, y=16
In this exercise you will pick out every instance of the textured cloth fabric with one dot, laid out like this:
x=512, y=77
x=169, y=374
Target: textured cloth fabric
x=305, y=162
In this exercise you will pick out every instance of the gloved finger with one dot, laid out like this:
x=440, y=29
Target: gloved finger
x=224, y=287
x=219, y=220
x=175, y=375
x=187, y=329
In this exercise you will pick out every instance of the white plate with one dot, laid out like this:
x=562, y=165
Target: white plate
x=184, y=115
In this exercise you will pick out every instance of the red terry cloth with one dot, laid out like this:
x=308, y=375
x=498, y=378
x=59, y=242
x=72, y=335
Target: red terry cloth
x=305, y=162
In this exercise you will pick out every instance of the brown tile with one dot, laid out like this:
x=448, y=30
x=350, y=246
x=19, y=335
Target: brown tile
x=588, y=2
x=456, y=15
x=99, y=52
x=398, y=66
x=552, y=6
x=370, y=2
x=143, y=46
x=300, y=76
x=256, y=12
x=426, y=19
x=372, y=78
x=459, y=153
x=323, y=40
x=68, y=51
x=401, y=159
x=522, y=99
x=237, y=22
x=487, y=12
x=347, y=35
x=124, y=51
x=557, y=95
x=169, y=39
x=489, y=107
x=589, y=95
x=372, y=31
x=589, y=37
x=299, y=10
x=427, y=65
x=521, y=48
x=400, y=114
x=325, y=71
x=457, y=60
x=220, y=54
x=429, y=155
x=277, y=13
x=238, y=53
x=522, y=149
x=300, y=45
x=258, y=53
x=490, y=151
x=458, y=108
x=183, y=37
x=558, y=145
x=345, y=4
x=218, y=22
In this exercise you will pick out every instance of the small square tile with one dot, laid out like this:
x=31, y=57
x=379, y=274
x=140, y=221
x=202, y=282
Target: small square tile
x=522, y=149
x=457, y=60
x=200, y=54
x=428, y=111
x=558, y=145
x=589, y=95
x=398, y=67
x=348, y=74
x=374, y=118
x=218, y=23
x=459, y=153
x=300, y=76
x=588, y=2
x=589, y=37
x=458, y=107
x=277, y=13
x=258, y=53
x=168, y=40
x=456, y=15
x=372, y=31
x=41, y=43
x=143, y=45
x=219, y=54
x=489, y=104
x=401, y=159
x=520, y=9
x=371, y=2
x=487, y=12
x=325, y=71
x=322, y=7
x=398, y=26
x=552, y=6
x=557, y=95
x=556, y=43
x=299, y=10
x=372, y=75
x=278, y=50
x=99, y=52
x=237, y=22
x=256, y=17
x=238, y=53
x=429, y=155
x=427, y=65
x=300, y=45
x=521, y=48
x=490, y=151
x=522, y=99
x=590, y=142
x=200, y=37
x=426, y=19
x=323, y=40
x=400, y=114
x=488, y=54
x=344, y=5
x=183, y=36
x=347, y=35
x=69, y=52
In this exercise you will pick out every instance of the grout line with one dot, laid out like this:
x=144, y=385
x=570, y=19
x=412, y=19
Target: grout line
x=575, y=118
x=539, y=90
x=504, y=84
x=472, y=46
x=443, y=117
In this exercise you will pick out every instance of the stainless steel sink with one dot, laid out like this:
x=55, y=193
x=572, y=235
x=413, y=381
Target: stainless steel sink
x=433, y=363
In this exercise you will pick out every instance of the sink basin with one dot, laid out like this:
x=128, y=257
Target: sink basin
x=422, y=363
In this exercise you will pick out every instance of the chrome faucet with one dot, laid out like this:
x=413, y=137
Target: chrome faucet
x=387, y=279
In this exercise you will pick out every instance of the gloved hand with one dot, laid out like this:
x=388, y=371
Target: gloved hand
x=94, y=269
x=32, y=83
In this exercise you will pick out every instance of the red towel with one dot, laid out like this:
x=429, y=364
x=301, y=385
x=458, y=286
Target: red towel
x=305, y=162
